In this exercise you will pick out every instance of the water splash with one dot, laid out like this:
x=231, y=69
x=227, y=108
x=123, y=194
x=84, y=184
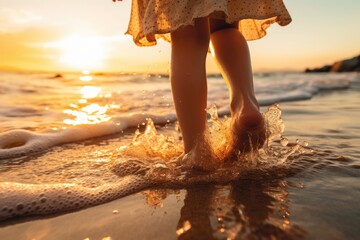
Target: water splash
x=160, y=161
x=151, y=146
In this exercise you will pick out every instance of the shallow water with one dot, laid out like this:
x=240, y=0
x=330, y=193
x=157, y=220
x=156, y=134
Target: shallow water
x=313, y=195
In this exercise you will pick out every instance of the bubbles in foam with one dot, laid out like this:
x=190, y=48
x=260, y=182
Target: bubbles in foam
x=30, y=199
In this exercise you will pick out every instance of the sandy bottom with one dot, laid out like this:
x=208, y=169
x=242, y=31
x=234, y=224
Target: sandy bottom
x=318, y=200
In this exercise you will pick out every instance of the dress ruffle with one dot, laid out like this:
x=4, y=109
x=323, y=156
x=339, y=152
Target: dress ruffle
x=154, y=19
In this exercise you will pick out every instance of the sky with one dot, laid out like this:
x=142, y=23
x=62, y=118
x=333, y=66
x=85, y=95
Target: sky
x=76, y=35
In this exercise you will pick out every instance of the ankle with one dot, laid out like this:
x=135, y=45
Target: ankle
x=192, y=143
x=239, y=102
x=235, y=105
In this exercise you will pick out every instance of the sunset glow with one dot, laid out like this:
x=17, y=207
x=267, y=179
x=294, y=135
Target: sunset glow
x=66, y=36
x=81, y=52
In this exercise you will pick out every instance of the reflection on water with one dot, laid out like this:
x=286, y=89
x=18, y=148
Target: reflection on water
x=90, y=91
x=89, y=114
x=244, y=209
x=86, y=78
x=82, y=101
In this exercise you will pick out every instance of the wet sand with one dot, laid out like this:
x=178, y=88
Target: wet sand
x=316, y=199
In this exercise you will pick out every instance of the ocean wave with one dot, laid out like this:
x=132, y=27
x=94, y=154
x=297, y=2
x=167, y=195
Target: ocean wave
x=18, y=143
x=19, y=111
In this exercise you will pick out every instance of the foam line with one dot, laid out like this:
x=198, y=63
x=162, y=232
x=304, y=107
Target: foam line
x=295, y=95
x=18, y=143
x=30, y=199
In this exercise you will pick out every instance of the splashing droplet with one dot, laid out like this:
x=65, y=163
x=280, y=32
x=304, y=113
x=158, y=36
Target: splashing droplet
x=213, y=113
x=186, y=227
x=284, y=141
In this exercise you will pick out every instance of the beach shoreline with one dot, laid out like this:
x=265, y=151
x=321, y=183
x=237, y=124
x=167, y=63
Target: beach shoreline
x=322, y=192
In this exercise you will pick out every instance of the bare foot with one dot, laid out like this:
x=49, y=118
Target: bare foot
x=247, y=129
x=199, y=158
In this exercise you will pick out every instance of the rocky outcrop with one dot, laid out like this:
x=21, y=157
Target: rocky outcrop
x=347, y=65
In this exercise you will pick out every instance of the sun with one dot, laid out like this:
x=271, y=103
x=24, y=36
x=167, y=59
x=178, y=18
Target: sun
x=82, y=51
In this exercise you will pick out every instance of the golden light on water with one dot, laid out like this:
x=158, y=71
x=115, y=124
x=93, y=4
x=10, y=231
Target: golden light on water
x=91, y=114
x=86, y=78
x=90, y=91
x=95, y=108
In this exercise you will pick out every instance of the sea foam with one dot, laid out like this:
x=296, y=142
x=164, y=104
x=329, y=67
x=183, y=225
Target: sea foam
x=17, y=143
x=30, y=199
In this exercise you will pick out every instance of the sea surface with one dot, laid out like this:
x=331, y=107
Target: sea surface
x=108, y=143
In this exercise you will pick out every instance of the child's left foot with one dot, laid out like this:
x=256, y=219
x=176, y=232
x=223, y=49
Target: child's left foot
x=200, y=157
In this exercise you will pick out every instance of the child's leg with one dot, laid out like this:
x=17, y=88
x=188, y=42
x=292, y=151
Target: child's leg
x=231, y=53
x=189, y=46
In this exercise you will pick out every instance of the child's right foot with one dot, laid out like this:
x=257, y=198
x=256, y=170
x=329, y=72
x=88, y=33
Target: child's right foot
x=248, y=131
